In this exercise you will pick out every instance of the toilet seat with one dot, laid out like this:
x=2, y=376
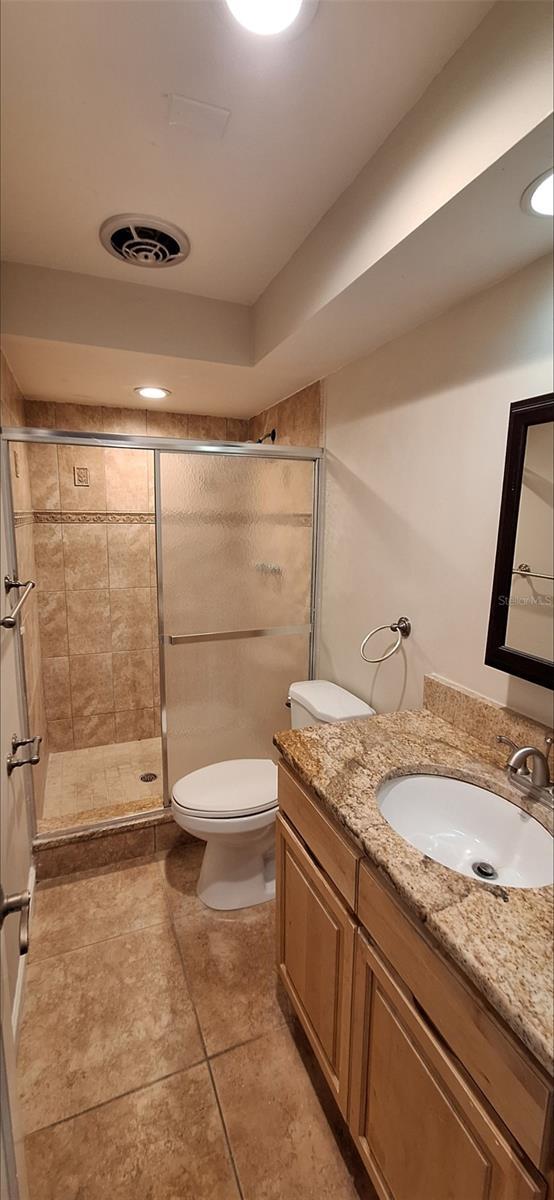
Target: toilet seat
x=239, y=787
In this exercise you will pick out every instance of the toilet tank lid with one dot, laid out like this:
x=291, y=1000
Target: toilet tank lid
x=327, y=701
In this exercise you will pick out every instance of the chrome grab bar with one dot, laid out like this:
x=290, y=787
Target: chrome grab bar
x=8, y=622
x=178, y=639
x=402, y=627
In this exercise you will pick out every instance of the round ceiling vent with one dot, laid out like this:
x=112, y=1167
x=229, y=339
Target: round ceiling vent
x=144, y=241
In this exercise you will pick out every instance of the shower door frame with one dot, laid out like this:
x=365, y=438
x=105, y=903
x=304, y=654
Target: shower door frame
x=62, y=437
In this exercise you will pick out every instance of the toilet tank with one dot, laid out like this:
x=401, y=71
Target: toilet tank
x=319, y=702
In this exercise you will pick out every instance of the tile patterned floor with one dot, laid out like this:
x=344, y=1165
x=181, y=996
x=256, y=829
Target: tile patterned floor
x=101, y=782
x=156, y=1062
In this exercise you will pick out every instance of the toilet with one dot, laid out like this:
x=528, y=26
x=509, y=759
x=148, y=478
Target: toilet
x=232, y=805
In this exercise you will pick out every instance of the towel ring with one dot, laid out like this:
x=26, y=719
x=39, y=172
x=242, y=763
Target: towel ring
x=402, y=627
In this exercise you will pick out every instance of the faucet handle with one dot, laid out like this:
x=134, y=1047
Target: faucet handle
x=549, y=743
x=506, y=741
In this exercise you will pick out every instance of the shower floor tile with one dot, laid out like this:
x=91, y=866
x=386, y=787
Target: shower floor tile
x=83, y=786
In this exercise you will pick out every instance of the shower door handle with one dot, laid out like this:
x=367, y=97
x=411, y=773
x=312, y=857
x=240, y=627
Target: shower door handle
x=12, y=762
x=179, y=639
x=20, y=902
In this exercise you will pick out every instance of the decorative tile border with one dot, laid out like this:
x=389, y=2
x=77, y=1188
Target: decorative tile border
x=54, y=517
x=23, y=518
x=57, y=517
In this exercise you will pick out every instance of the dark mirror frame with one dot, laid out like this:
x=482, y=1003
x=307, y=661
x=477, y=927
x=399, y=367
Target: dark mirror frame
x=536, y=411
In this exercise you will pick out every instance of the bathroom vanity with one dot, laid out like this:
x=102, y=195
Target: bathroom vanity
x=426, y=995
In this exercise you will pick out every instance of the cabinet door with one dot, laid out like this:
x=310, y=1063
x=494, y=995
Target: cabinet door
x=315, y=952
x=421, y=1130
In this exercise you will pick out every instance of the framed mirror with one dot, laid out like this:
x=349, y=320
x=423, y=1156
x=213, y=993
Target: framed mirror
x=521, y=625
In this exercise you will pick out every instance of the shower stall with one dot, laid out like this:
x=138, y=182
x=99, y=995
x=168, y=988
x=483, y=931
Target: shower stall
x=176, y=600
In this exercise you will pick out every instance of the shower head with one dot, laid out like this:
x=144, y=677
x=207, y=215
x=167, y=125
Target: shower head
x=272, y=435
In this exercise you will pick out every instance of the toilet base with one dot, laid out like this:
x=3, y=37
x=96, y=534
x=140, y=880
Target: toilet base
x=238, y=867
x=238, y=872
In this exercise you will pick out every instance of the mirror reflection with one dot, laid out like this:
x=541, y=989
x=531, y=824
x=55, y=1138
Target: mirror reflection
x=530, y=626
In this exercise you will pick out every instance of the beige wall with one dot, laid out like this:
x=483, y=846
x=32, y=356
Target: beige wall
x=416, y=437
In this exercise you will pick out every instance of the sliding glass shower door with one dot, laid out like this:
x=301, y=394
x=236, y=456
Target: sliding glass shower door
x=235, y=561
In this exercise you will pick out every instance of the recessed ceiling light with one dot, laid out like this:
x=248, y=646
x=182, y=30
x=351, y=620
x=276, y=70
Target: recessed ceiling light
x=153, y=393
x=265, y=16
x=538, y=198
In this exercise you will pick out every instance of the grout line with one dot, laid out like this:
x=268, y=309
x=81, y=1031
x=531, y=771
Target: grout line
x=207, y=1061
x=189, y=990
x=99, y=942
x=256, y=1037
x=141, y=1087
x=225, y=1131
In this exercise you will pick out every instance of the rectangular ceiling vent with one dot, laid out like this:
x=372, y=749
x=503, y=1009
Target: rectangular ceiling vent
x=203, y=120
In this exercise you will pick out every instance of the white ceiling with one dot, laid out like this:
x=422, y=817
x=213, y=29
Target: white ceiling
x=346, y=256
x=86, y=130
x=440, y=264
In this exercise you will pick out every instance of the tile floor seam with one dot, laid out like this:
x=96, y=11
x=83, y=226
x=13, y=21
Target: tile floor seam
x=189, y=990
x=225, y=1132
x=99, y=942
x=235, y=1045
x=207, y=1061
x=142, y=1087
x=247, y=1041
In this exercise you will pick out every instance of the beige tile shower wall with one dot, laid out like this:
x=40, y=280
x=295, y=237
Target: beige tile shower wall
x=298, y=420
x=12, y=414
x=88, y=418
x=97, y=600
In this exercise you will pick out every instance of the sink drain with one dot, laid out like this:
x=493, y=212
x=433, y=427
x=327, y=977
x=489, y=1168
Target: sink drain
x=484, y=870
x=148, y=777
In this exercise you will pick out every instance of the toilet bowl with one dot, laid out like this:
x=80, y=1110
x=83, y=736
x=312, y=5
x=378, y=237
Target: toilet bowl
x=232, y=805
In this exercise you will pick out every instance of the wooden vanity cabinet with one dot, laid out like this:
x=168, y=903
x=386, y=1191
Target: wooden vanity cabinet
x=419, y=1126
x=315, y=957
x=443, y=1102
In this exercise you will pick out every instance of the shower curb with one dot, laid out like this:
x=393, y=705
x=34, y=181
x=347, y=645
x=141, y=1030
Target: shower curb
x=118, y=841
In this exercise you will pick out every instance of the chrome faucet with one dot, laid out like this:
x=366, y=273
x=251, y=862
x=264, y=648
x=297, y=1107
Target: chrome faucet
x=517, y=764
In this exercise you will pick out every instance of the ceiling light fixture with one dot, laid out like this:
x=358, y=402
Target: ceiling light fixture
x=265, y=16
x=538, y=198
x=153, y=393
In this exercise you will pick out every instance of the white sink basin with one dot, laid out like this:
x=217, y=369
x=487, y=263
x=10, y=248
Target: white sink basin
x=461, y=826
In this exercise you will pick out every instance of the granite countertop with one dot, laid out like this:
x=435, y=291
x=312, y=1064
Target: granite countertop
x=501, y=938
